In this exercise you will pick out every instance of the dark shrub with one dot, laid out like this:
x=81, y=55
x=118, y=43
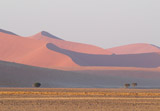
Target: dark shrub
x=37, y=84
x=126, y=85
x=134, y=85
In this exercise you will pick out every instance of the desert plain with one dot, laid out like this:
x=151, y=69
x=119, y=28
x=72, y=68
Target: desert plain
x=76, y=76
x=79, y=99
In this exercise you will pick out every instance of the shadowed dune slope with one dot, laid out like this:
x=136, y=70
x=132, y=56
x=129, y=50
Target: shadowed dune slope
x=73, y=46
x=44, y=33
x=7, y=32
x=148, y=60
x=103, y=68
x=18, y=75
x=135, y=49
x=31, y=52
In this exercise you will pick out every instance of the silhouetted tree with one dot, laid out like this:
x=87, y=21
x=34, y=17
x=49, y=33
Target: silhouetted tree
x=126, y=85
x=37, y=84
x=134, y=85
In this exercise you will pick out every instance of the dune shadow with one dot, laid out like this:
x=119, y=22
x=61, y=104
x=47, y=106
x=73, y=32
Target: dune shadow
x=146, y=60
x=7, y=32
x=50, y=35
x=155, y=46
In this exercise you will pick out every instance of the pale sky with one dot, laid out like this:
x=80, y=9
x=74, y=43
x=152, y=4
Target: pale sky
x=105, y=23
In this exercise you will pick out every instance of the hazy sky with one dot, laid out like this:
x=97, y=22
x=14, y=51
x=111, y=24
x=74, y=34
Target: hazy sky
x=105, y=23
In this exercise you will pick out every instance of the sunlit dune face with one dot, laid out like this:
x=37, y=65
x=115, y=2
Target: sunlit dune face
x=31, y=52
x=135, y=49
x=73, y=46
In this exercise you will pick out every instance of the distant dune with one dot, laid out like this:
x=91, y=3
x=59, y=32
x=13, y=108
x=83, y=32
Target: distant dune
x=135, y=49
x=73, y=46
x=18, y=75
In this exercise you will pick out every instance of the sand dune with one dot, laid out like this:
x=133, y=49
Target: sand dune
x=148, y=60
x=31, y=52
x=135, y=49
x=18, y=75
x=44, y=33
x=100, y=68
x=73, y=46
x=46, y=50
x=7, y=32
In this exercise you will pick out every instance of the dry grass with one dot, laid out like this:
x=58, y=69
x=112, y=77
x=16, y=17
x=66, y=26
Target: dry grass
x=12, y=99
x=148, y=94
x=82, y=92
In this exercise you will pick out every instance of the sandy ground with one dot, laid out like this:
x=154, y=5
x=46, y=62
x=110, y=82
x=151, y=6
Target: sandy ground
x=25, y=99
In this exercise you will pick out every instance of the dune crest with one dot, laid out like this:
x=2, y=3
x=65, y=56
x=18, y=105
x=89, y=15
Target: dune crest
x=44, y=33
x=135, y=49
x=73, y=46
x=7, y=32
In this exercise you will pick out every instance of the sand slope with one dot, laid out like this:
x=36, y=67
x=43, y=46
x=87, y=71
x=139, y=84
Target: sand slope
x=135, y=49
x=7, y=32
x=73, y=46
x=148, y=60
x=18, y=75
x=32, y=52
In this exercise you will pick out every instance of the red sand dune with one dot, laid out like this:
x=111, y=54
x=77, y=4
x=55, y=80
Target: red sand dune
x=147, y=60
x=31, y=52
x=135, y=49
x=53, y=52
x=73, y=46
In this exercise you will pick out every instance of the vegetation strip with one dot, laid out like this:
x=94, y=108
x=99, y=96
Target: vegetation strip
x=80, y=93
x=86, y=98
